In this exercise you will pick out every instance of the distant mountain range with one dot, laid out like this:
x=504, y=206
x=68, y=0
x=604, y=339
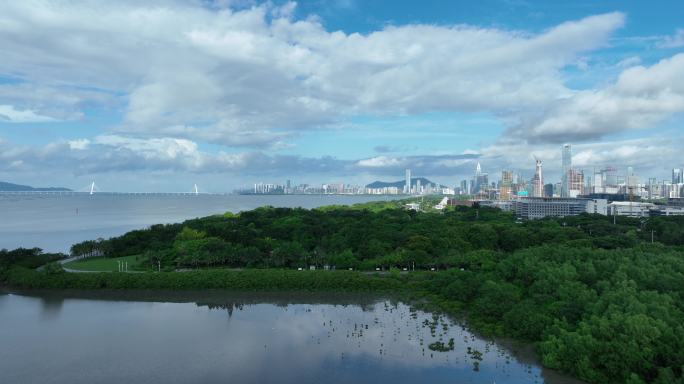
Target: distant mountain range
x=9, y=187
x=400, y=184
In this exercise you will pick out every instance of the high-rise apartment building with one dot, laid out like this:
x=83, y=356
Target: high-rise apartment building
x=605, y=181
x=610, y=177
x=575, y=183
x=677, y=176
x=505, y=190
x=632, y=181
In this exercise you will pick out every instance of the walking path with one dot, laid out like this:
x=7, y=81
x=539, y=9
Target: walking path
x=63, y=262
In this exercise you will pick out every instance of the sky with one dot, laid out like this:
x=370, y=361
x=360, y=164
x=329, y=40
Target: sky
x=161, y=95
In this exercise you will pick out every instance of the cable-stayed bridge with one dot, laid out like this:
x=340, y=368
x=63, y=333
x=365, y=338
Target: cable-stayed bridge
x=90, y=189
x=93, y=189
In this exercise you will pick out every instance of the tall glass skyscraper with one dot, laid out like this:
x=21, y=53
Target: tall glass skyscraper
x=481, y=180
x=566, y=159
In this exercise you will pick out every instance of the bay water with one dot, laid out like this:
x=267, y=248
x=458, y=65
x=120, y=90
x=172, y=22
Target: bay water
x=55, y=222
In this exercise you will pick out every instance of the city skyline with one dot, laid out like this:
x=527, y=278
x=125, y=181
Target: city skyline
x=574, y=183
x=225, y=94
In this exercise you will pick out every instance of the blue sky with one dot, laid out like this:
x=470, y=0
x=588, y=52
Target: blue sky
x=160, y=95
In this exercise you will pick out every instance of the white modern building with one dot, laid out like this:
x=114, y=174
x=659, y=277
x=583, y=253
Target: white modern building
x=540, y=207
x=442, y=204
x=412, y=206
x=667, y=211
x=629, y=208
x=538, y=180
x=407, y=184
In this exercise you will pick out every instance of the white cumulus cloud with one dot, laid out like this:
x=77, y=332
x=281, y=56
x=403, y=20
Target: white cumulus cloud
x=256, y=76
x=9, y=113
x=640, y=98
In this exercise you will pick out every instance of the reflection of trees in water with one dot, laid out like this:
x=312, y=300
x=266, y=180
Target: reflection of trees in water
x=365, y=304
x=213, y=297
x=228, y=307
x=392, y=330
x=51, y=306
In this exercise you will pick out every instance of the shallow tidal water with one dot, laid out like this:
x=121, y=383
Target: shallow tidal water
x=220, y=337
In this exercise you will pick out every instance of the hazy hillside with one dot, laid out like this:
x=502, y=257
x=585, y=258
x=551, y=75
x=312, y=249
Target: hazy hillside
x=399, y=184
x=9, y=187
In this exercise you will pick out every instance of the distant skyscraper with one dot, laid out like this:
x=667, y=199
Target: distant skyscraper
x=407, y=186
x=677, y=176
x=632, y=180
x=598, y=184
x=481, y=180
x=575, y=183
x=652, y=185
x=538, y=180
x=566, y=159
x=610, y=177
x=548, y=190
x=506, y=184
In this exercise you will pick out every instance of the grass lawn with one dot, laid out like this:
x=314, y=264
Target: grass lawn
x=102, y=264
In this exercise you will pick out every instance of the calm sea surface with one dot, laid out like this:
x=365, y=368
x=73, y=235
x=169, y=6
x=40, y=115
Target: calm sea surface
x=221, y=337
x=55, y=222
